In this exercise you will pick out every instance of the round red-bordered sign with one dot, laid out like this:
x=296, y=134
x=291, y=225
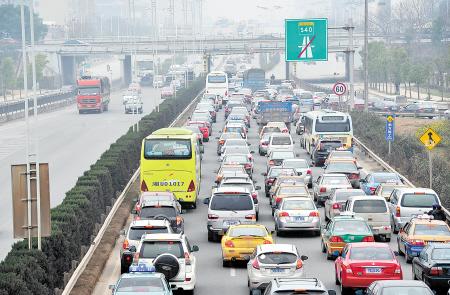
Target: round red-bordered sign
x=339, y=88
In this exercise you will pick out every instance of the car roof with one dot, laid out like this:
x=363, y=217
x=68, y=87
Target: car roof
x=333, y=175
x=427, y=221
x=141, y=274
x=300, y=283
x=152, y=222
x=348, y=217
x=156, y=194
x=162, y=237
x=369, y=245
x=401, y=283
x=236, y=188
x=366, y=197
x=404, y=190
x=345, y=190
x=152, y=203
x=276, y=247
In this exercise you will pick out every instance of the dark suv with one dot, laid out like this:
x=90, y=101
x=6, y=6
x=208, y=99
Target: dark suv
x=322, y=149
x=162, y=210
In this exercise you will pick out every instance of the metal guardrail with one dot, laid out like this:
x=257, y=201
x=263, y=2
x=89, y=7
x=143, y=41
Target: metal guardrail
x=389, y=168
x=88, y=256
x=43, y=100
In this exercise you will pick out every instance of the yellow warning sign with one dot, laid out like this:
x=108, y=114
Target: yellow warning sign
x=390, y=119
x=430, y=139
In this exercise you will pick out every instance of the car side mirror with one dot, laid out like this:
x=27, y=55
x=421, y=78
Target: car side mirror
x=249, y=144
x=360, y=167
x=111, y=287
x=396, y=253
x=206, y=201
x=362, y=180
x=123, y=232
x=331, y=292
x=202, y=149
x=272, y=232
x=301, y=133
x=134, y=211
x=132, y=249
x=304, y=257
x=246, y=257
x=195, y=248
x=217, y=137
x=264, y=174
x=257, y=187
x=252, y=152
x=293, y=141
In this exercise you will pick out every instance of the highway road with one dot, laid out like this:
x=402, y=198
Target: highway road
x=69, y=142
x=211, y=276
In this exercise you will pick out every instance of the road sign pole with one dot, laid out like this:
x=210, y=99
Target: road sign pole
x=389, y=147
x=430, y=164
x=351, y=63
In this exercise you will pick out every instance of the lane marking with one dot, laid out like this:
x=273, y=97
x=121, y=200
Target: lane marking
x=232, y=272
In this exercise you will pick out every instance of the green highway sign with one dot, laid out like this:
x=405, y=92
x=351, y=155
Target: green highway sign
x=306, y=39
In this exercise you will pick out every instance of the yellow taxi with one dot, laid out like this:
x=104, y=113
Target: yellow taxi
x=239, y=242
x=420, y=231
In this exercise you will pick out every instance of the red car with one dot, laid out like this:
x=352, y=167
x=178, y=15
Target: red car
x=363, y=263
x=203, y=128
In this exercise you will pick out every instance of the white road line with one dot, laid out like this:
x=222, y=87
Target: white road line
x=232, y=272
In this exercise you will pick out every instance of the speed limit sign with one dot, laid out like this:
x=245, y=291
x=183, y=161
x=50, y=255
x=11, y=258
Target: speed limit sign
x=339, y=88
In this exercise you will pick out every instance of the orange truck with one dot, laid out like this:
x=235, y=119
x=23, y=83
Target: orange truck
x=93, y=94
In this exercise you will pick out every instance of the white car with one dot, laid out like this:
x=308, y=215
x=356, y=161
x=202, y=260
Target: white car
x=272, y=261
x=447, y=114
x=134, y=105
x=171, y=255
x=280, y=142
x=301, y=167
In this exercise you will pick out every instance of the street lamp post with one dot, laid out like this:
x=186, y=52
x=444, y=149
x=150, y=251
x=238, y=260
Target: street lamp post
x=366, y=55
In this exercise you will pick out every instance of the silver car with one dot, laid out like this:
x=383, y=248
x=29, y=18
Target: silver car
x=326, y=183
x=297, y=214
x=405, y=203
x=244, y=182
x=302, y=168
x=335, y=204
x=228, y=206
x=273, y=261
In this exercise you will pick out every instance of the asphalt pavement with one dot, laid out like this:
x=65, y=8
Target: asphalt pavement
x=212, y=278
x=69, y=142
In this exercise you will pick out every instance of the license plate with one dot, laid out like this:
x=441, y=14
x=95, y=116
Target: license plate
x=373, y=270
x=230, y=222
x=298, y=218
x=277, y=270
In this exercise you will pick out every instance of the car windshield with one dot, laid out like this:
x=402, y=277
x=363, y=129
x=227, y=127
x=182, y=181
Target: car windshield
x=236, y=159
x=431, y=229
x=335, y=180
x=152, y=249
x=293, y=190
x=343, y=196
x=226, y=136
x=236, y=150
x=406, y=290
x=441, y=254
x=419, y=200
x=281, y=140
x=354, y=227
x=137, y=232
x=271, y=129
x=277, y=258
x=277, y=171
x=305, y=204
x=387, y=190
x=231, y=202
x=386, y=178
x=371, y=253
x=151, y=212
x=139, y=284
x=369, y=206
x=234, y=142
x=342, y=167
x=282, y=155
x=296, y=164
x=234, y=129
x=168, y=149
x=247, y=231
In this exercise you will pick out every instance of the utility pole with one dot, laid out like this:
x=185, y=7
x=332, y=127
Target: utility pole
x=351, y=64
x=366, y=55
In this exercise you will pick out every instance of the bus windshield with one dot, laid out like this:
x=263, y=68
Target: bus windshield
x=217, y=79
x=332, y=126
x=168, y=149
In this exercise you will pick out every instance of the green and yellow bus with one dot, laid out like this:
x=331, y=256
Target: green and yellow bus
x=170, y=161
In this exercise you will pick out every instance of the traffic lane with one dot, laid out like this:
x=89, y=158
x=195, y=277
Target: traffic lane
x=69, y=142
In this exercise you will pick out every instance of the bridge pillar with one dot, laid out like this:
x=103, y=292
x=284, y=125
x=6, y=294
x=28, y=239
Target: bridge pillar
x=126, y=70
x=68, y=70
x=287, y=70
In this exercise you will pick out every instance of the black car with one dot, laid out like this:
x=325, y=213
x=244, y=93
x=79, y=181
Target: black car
x=433, y=266
x=322, y=149
x=162, y=210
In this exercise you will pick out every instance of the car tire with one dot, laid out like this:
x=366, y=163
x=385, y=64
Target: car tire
x=316, y=233
x=189, y=292
x=226, y=263
x=336, y=279
x=399, y=250
x=324, y=249
x=345, y=290
x=409, y=258
x=210, y=236
x=168, y=265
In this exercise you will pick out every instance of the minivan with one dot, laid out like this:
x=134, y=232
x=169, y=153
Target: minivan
x=405, y=203
x=375, y=211
x=229, y=206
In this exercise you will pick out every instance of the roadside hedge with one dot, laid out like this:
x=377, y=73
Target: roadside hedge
x=75, y=219
x=408, y=156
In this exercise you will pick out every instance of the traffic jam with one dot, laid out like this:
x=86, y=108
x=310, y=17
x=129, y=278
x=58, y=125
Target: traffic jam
x=287, y=180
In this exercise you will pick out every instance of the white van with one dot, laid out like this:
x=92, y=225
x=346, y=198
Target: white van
x=280, y=141
x=375, y=211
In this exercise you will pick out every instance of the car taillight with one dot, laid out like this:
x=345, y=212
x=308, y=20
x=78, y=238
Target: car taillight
x=221, y=141
x=254, y=196
x=309, y=172
x=368, y=239
x=323, y=189
x=270, y=181
x=336, y=206
x=372, y=190
x=353, y=176
x=416, y=242
x=278, y=200
x=138, y=207
x=283, y=214
x=187, y=258
x=144, y=187
x=255, y=264
x=336, y=239
x=349, y=270
x=284, y=131
x=299, y=264
x=250, y=157
x=226, y=93
x=179, y=220
x=314, y=214
x=251, y=217
x=398, y=270
x=191, y=187
x=267, y=242
x=125, y=244
x=136, y=257
x=436, y=271
x=128, y=258
x=213, y=216
x=271, y=162
x=229, y=244
x=248, y=166
x=397, y=211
